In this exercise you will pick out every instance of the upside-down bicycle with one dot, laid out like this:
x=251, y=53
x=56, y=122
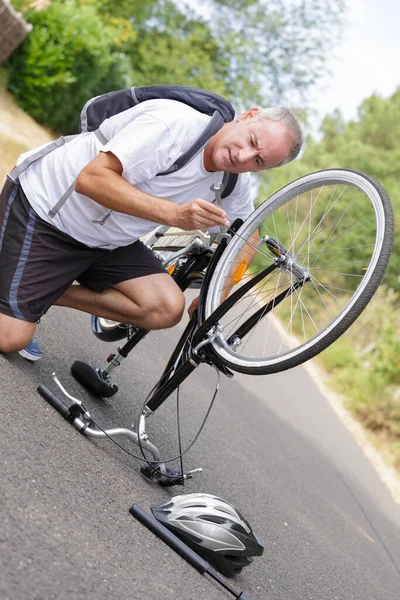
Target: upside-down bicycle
x=275, y=291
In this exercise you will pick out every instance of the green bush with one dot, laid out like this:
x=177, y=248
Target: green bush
x=339, y=356
x=69, y=56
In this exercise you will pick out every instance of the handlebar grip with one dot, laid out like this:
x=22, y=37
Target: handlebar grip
x=169, y=538
x=54, y=401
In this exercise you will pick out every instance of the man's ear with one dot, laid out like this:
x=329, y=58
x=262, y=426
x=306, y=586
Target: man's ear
x=248, y=114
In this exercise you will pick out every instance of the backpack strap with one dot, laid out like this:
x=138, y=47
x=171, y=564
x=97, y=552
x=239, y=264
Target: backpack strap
x=53, y=211
x=101, y=137
x=228, y=184
x=19, y=169
x=213, y=126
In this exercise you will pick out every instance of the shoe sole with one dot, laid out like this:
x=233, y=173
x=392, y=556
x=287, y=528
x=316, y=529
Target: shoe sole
x=28, y=356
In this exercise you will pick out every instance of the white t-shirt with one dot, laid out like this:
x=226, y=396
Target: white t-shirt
x=147, y=139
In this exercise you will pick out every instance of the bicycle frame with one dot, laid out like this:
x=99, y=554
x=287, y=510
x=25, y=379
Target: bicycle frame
x=197, y=336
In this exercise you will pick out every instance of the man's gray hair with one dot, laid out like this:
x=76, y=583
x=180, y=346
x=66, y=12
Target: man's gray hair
x=290, y=121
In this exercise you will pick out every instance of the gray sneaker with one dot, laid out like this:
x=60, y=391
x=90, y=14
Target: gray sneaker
x=31, y=352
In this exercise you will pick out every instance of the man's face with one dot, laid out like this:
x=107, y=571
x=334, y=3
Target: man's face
x=247, y=144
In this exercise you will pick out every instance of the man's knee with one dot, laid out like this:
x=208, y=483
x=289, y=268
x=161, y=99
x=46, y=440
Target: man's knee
x=164, y=309
x=168, y=311
x=14, y=334
x=14, y=343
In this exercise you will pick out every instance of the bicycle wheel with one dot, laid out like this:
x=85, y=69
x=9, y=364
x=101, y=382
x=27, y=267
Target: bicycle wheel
x=320, y=246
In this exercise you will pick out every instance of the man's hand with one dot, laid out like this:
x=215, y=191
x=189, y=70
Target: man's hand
x=199, y=214
x=194, y=305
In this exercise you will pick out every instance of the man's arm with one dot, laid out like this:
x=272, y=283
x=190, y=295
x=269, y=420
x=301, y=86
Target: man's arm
x=102, y=181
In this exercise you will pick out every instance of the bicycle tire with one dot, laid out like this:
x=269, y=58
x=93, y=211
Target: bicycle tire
x=370, y=218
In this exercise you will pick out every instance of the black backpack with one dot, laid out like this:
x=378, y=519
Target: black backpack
x=100, y=108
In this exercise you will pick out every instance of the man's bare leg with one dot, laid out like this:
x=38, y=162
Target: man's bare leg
x=14, y=333
x=151, y=302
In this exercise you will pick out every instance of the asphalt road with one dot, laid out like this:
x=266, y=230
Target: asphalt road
x=272, y=445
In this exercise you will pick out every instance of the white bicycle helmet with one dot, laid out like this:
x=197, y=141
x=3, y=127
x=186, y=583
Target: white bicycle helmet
x=213, y=528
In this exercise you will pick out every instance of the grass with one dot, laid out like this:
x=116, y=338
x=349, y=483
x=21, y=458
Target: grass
x=362, y=366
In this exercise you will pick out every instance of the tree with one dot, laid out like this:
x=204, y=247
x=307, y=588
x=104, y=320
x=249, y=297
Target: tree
x=69, y=56
x=369, y=145
x=259, y=51
x=253, y=52
x=274, y=50
x=173, y=47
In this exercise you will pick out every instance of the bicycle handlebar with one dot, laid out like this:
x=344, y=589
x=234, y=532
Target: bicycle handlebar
x=54, y=401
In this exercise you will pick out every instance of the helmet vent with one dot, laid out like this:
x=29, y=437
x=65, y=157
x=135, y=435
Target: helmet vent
x=238, y=528
x=224, y=510
x=213, y=519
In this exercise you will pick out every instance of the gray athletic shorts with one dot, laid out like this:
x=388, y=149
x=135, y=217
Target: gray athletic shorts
x=38, y=262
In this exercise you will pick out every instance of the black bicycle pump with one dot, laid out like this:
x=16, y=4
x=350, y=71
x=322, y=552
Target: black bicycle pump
x=181, y=548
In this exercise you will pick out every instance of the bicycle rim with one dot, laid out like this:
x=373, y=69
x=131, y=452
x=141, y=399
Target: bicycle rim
x=329, y=235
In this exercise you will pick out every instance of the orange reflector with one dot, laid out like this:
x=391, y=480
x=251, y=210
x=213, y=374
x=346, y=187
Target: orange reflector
x=171, y=269
x=240, y=271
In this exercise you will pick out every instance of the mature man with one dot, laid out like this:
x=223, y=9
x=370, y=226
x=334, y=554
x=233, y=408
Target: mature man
x=94, y=237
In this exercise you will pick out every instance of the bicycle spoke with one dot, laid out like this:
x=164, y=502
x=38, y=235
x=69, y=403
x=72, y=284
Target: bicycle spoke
x=337, y=251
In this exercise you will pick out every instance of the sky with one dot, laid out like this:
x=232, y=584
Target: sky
x=367, y=60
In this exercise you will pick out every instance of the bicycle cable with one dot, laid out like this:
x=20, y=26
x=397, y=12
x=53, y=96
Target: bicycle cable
x=181, y=454
x=143, y=458
x=178, y=425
